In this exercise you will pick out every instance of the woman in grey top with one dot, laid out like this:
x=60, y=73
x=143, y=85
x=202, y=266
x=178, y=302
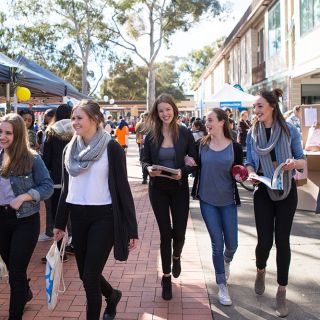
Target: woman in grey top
x=218, y=195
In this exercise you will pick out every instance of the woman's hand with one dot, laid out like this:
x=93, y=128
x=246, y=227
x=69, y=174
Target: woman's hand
x=290, y=164
x=153, y=173
x=19, y=200
x=133, y=243
x=58, y=234
x=189, y=161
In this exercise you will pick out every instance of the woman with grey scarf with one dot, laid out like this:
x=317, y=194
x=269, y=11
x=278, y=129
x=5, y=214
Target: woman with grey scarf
x=96, y=193
x=270, y=142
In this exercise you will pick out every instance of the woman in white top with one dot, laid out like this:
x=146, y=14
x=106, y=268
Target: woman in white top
x=96, y=192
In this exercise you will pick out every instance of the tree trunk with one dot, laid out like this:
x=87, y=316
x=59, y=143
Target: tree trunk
x=84, y=87
x=151, y=87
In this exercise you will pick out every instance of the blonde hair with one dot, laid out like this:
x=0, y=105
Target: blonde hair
x=18, y=158
x=92, y=110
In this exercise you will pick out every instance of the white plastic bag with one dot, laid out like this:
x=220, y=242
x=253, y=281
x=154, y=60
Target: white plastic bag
x=313, y=139
x=54, y=272
x=3, y=269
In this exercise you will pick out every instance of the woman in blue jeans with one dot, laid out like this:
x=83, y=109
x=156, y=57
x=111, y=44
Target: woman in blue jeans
x=24, y=182
x=219, y=196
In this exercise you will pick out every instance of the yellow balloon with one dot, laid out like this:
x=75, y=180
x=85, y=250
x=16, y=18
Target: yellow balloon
x=23, y=93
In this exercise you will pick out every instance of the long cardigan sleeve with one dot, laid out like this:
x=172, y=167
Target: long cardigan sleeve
x=125, y=223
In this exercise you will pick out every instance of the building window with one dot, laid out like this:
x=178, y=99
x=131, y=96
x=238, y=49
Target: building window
x=309, y=15
x=260, y=49
x=274, y=34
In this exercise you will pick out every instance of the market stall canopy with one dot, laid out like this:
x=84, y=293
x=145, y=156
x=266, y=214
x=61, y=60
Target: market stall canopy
x=41, y=82
x=53, y=84
x=230, y=97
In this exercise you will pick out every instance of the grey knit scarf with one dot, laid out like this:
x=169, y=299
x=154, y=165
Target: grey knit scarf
x=279, y=141
x=80, y=157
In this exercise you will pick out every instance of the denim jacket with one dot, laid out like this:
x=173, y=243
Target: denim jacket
x=296, y=148
x=37, y=183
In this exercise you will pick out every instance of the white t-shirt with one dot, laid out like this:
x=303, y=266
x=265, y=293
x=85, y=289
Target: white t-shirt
x=91, y=187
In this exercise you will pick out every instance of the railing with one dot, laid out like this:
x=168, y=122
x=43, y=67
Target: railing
x=259, y=73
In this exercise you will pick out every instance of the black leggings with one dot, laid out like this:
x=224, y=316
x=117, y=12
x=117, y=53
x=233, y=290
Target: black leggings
x=18, y=239
x=170, y=196
x=274, y=217
x=92, y=238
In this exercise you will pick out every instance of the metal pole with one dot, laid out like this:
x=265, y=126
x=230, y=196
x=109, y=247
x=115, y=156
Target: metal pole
x=8, y=108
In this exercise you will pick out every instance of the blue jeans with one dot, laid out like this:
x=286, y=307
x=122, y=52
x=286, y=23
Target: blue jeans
x=222, y=225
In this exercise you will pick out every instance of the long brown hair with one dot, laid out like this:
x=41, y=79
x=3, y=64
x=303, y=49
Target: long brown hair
x=91, y=109
x=18, y=158
x=273, y=97
x=154, y=123
x=221, y=116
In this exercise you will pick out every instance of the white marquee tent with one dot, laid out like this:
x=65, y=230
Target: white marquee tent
x=231, y=97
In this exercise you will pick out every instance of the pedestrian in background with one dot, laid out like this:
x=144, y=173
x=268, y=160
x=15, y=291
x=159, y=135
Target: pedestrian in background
x=28, y=118
x=24, y=182
x=122, y=134
x=167, y=143
x=58, y=134
x=140, y=130
x=243, y=127
x=198, y=130
x=218, y=194
x=100, y=220
x=270, y=142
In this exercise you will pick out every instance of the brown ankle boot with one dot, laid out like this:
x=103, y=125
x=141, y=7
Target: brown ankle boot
x=282, y=308
x=259, y=284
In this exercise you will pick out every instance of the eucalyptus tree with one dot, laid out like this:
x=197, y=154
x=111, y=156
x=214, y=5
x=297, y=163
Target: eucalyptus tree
x=78, y=26
x=126, y=80
x=153, y=22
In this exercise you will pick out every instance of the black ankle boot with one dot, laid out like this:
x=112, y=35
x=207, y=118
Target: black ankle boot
x=166, y=288
x=112, y=302
x=29, y=295
x=176, y=267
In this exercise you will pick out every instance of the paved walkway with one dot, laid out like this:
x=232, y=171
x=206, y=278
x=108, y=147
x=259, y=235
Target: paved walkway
x=195, y=291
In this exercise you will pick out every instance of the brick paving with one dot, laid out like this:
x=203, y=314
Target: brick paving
x=139, y=278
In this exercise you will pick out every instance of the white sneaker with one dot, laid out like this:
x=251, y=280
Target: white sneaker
x=223, y=295
x=44, y=237
x=227, y=270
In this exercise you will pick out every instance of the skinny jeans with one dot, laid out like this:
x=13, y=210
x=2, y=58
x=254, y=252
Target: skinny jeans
x=222, y=225
x=170, y=203
x=274, y=218
x=92, y=238
x=18, y=239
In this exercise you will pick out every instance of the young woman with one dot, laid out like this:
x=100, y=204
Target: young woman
x=100, y=220
x=24, y=182
x=219, y=195
x=28, y=117
x=166, y=144
x=270, y=142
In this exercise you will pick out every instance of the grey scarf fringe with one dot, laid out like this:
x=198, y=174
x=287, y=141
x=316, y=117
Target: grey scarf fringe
x=79, y=157
x=279, y=141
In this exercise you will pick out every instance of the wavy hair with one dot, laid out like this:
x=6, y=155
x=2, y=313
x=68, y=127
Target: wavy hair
x=18, y=158
x=154, y=123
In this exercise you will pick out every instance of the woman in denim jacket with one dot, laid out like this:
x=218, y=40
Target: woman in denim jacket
x=24, y=181
x=270, y=142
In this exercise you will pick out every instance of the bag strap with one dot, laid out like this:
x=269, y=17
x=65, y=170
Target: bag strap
x=61, y=254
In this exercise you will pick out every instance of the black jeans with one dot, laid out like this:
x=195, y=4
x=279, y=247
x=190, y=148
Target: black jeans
x=170, y=196
x=274, y=217
x=18, y=239
x=93, y=238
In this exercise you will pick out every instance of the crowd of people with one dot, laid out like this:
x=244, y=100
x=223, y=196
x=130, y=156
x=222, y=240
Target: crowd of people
x=79, y=152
